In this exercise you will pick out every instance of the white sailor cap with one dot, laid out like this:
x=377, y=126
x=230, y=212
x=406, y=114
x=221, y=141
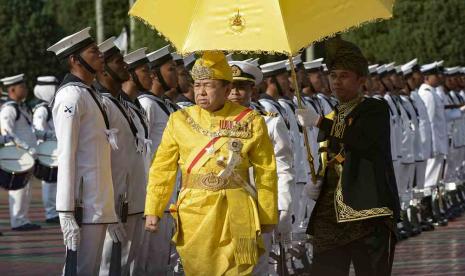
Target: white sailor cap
x=13, y=80
x=109, y=48
x=372, y=69
x=159, y=57
x=297, y=60
x=136, y=58
x=412, y=64
x=45, y=88
x=72, y=43
x=429, y=69
x=440, y=63
x=314, y=65
x=189, y=61
x=177, y=58
x=406, y=71
x=255, y=62
x=462, y=70
x=381, y=69
x=390, y=68
x=398, y=69
x=242, y=70
x=274, y=68
x=451, y=71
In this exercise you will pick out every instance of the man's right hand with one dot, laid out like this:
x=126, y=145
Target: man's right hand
x=70, y=229
x=151, y=223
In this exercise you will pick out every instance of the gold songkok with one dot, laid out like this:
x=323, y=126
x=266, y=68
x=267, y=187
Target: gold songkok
x=212, y=66
x=344, y=55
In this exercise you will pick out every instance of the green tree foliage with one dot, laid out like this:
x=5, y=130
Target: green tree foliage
x=27, y=31
x=427, y=29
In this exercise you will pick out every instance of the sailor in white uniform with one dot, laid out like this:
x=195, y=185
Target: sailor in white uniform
x=158, y=254
x=245, y=76
x=423, y=143
x=139, y=83
x=16, y=121
x=84, y=186
x=44, y=90
x=438, y=117
x=315, y=77
x=185, y=82
x=127, y=162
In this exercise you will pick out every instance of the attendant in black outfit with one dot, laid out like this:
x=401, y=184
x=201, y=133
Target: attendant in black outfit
x=356, y=211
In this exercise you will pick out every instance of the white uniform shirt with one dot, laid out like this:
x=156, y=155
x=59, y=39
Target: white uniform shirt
x=396, y=128
x=325, y=103
x=42, y=118
x=83, y=153
x=157, y=113
x=437, y=116
x=295, y=140
x=127, y=163
x=424, y=128
x=280, y=139
x=414, y=139
x=18, y=125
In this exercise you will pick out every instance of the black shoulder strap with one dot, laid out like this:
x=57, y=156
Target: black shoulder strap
x=138, y=110
x=47, y=108
x=128, y=119
x=16, y=107
x=104, y=114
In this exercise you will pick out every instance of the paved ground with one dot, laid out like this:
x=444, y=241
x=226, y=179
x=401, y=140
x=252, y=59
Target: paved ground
x=441, y=252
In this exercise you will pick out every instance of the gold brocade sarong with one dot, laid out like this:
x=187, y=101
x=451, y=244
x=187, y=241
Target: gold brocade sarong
x=221, y=227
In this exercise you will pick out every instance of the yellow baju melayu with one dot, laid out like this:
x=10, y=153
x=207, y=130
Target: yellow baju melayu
x=217, y=218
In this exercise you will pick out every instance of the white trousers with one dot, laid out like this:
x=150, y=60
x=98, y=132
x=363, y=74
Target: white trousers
x=420, y=171
x=262, y=268
x=433, y=170
x=404, y=186
x=19, y=201
x=49, y=193
x=452, y=162
x=300, y=204
x=396, y=166
x=90, y=249
x=157, y=253
x=129, y=249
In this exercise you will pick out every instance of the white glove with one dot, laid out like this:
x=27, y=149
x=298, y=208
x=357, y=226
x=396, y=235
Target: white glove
x=70, y=229
x=307, y=117
x=33, y=152
x=313, y=190
x=117, y=232
x=285, y=222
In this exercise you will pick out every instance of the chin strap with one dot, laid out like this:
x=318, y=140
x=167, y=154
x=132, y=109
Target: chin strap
x=161, y=79
x=136, y=80
x=112, y=74
x=85, y=64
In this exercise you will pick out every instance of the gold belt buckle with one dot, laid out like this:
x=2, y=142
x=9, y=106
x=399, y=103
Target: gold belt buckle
x=213, y=182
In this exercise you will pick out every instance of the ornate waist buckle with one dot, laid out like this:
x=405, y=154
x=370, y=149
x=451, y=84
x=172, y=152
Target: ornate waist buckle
x=209, y=181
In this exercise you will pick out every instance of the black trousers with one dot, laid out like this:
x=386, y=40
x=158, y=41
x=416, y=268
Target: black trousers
x=372, y=255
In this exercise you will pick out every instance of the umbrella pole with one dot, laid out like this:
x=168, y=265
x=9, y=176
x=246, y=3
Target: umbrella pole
x=300, y=106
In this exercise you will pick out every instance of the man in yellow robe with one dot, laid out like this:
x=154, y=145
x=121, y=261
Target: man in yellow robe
x=219, y=215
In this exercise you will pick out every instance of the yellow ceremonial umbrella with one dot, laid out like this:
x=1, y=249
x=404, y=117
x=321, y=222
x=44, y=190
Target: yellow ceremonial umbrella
x=272, y=26
x=283, y=26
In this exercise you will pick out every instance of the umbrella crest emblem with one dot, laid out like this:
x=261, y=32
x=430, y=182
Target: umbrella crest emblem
x=237, y=23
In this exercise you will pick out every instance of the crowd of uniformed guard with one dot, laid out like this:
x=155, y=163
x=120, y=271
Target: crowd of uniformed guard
x=136, y=94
